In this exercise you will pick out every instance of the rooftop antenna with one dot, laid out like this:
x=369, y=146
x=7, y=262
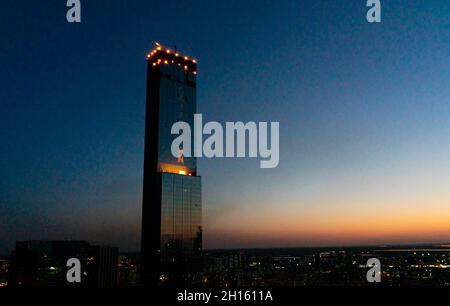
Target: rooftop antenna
x=163, y=47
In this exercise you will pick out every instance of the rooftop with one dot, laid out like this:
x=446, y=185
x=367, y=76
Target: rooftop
x=164, y=56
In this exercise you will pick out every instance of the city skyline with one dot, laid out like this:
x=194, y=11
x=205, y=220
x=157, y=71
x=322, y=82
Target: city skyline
x=363, y=111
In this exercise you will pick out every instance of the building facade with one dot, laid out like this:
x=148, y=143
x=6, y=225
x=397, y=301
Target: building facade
x=171, y=216
x=37, y=263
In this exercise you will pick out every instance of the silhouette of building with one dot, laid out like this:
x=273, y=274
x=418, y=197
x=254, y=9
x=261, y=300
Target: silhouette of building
x=43, y=263
x=171, y=217
x=104, y=267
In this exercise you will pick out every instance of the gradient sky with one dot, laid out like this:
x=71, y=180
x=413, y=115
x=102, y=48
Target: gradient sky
x=364, y=112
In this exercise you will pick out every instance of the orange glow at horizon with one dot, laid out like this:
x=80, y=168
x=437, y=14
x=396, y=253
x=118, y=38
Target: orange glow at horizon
x=430, y=223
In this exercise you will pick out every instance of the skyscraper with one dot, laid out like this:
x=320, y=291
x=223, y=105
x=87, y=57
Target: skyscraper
x=171, y=215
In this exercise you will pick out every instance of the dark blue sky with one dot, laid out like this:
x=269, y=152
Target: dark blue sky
x=363, y=110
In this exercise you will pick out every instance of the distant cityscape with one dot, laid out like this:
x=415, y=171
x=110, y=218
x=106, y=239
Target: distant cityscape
x=362, y=158
x=172, y=251
x=43, y=263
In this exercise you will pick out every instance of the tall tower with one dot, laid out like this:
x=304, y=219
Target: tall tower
x=171, y=213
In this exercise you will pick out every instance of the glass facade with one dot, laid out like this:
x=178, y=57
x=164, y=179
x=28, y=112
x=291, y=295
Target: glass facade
x=181, y=214
x=177, y=103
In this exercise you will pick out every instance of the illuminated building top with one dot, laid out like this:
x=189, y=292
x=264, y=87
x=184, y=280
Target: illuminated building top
x=165, y=56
